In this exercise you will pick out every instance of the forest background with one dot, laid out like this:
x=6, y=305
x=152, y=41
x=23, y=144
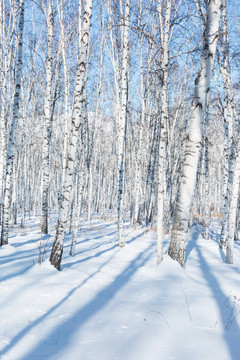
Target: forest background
x=124, y=107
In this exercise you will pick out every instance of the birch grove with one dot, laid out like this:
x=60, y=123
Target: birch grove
x=124, y=109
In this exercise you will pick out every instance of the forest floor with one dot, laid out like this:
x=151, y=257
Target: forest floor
x=110, y=303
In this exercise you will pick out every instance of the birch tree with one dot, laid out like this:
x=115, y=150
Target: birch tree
x=47, y=123
x=232, y=150
x=95, y=125
x=164, y=33
x=233, y=210
x=15, y=116
x=76, y=122
x=228, y=113
x=194, y=135
x=122, y=123
x=60, y=4
x=8, y=30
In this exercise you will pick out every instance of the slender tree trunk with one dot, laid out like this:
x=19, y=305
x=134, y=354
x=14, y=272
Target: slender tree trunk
x=206, y=183
x=90, y=183
x=163, y=129
x=47, y=124
x=77, y=214
x=7, y=58
x=233, y=211
x=60, y=4
x=138, y=175
x=229, y=114
x=10, y=152
x=122, y=124
x=77, y=120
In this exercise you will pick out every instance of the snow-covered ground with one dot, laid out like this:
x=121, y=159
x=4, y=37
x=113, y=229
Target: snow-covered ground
x=111, y=303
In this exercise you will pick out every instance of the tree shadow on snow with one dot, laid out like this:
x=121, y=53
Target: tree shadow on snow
x=22, y=260
x=18, y=256
x=61, y=336
x=19, y=263
x=115, y=245
x=90, y=248
x=88, y=257
x=86, y=228
x=95, y=237
x=136, y=237
x=195, y=232
x=32, y=241
x=222, y=254
x=231, y=332
x=16, y=274
x=214, y=235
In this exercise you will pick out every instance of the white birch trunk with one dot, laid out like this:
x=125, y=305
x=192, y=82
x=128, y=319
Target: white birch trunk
x=47, y=124
x=137, y=178
x=192, y=153
x=10, y=152
x=78, y=204
x=233, y=211
x=229, y=113
x=77, y=120
x=90, y=183
x=206, y=184
x=7, y=61
x=77, y=213
x=95, y=125
x=2, y=133
x=122, y=124
x=163, y=129
x=60, y=4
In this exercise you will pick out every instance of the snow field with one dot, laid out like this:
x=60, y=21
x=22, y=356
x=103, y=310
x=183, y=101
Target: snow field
x=112, y=303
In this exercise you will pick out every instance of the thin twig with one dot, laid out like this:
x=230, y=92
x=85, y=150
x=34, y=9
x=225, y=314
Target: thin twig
x=190, y=317
x=157, y=312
